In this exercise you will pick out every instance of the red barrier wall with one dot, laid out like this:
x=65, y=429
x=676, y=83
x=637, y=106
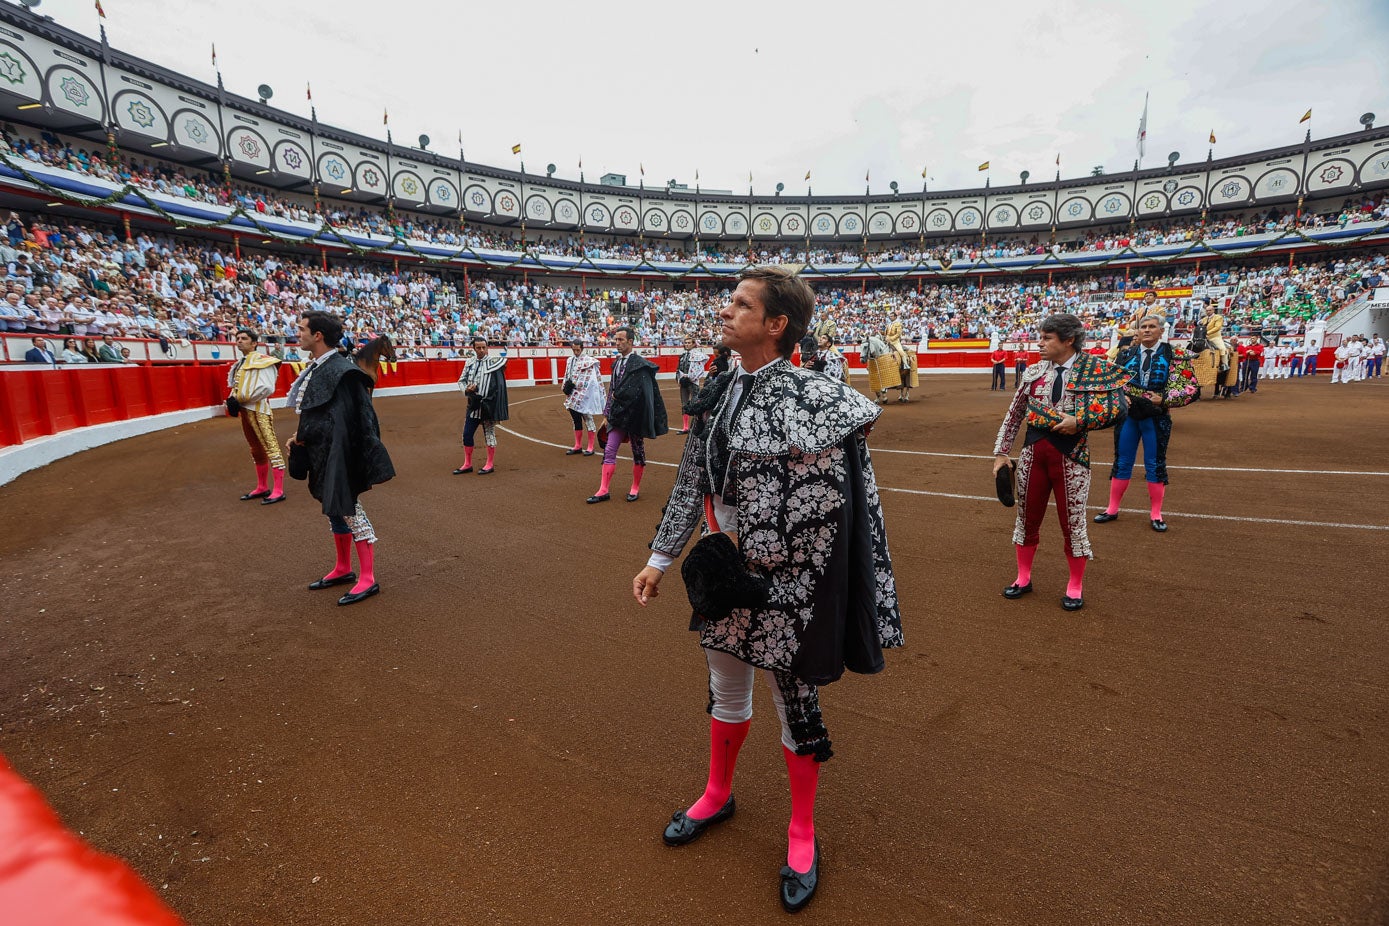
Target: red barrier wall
x=36, y=401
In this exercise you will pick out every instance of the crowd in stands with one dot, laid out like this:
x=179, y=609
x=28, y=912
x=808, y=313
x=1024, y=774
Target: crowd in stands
x=88, y=283
x=183, y=182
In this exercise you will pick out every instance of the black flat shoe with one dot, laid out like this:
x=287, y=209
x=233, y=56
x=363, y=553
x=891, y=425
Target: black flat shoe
x=351, y=598
x=250, y=495
x=1159, y=525
x=486, y=472
x=1017, y=591
x=273, y=500
x=571, y=452
x=1072, y=604
x=588, y=453
x=632, y=496
x=1104, y=517
x=683, y=828
x=462, y=469
x=329, y=583
x=595, y=499
x=796, y=887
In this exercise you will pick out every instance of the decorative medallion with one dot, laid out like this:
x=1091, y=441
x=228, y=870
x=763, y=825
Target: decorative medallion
x=907, y=220
x=792, y=223
x=506, y=203
x=537, y=207
x=1330, y=173
x=478, y=198
x=140, y=113
x=1001, y=216
x=11, y=68
x=850, y=223
x=1277, y=183
x=1169, y=187
x=1186, y=197
x=1152, y=201
x=710, y=222
x=196, y=130
x=940, y=220
x=596, y=215
x=371, y=177
x=249, y=147
x=1230, y=189
x=292, y=156
x=335, y=169
x=1380, y=166
x=566, y=212
x=1112, y=205
x=968, y=217
x=655, y=219
x=408, y=186
x=1035, y=213
x=822, y=224
x=626, y=216
x=1076, y=208
x=75, y=91
x=682, y=221
x=764, y=224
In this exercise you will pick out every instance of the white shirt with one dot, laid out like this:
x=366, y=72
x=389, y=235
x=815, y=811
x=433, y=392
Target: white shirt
x=725, y=515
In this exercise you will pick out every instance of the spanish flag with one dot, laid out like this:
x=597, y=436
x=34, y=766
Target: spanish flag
x=1305, y=117
x=1212, y=136
x=807, y=175
x=385, y=117
x=515, y=149
x=923, y=173
x=99, y=11
x=984, y=166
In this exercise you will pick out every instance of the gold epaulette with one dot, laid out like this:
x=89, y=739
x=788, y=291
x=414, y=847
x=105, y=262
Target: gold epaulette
x=258, y=361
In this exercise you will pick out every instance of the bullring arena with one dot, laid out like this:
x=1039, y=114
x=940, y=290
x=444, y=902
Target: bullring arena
x=189, y=735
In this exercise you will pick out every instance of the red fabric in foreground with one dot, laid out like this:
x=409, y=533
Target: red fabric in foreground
x=49, y=877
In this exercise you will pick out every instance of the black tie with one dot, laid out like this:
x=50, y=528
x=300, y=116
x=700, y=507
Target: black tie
x=1056, y=387
x=1147, y=363
x=744, y=381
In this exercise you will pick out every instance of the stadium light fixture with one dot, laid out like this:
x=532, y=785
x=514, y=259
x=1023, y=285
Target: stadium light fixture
x=1024, y=175
x=30, y=4
x=1172, y=158
x=51, y=205
x=265, y=93
x=1368, y=120
x=32, y=106
x=346, y=191
x=264, y=170
x=160, y=144
x=893, y=186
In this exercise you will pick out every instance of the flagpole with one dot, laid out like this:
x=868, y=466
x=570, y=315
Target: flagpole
x=866, y=191
x=583, y=216
x=750, y=260
x=698, y=219
x=921, y=223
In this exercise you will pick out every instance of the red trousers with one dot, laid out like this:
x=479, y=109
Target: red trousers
x=1043, y=472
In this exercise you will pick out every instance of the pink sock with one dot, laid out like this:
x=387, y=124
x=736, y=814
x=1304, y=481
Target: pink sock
x=1117, y=488
x=804, y=773
x=279, y=489
x=608, y=469
x=636, y=479
x=725, y=739
x=262, y=477
x=1076, y=564
x=343, y=544
x=366, y=561
x=592, y=436
x=467, y=457
x=1156, y=491
x=1025, y=557
x=684, y=422
x=578, y=439
x=491, y=456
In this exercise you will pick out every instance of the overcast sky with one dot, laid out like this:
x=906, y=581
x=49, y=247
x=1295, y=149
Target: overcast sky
x=777, y=89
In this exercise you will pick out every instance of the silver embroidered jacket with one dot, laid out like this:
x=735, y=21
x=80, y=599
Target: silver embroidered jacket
x=809, y=520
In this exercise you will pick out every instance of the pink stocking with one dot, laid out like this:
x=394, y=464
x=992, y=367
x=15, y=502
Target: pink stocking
x=725, y=739
x=804, y=773
x=1117, y=488
x=1076, y=564
x=366, y=561
x=343, y=545
x=608, y=470
x=1156, y=491
x=1025, y=557
x=491, y=457
x=636, y=479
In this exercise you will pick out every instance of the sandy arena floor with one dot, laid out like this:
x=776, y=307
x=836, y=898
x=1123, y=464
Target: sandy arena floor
x=501, y=734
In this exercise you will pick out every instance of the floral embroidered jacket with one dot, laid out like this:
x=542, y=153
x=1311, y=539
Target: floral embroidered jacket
x=1093, y=394
x=809, y=520
x=1171, y=381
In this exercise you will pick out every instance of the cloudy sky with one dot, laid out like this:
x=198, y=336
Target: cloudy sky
x=839, y=89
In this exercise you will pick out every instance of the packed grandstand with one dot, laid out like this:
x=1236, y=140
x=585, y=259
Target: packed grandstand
x=124, y=226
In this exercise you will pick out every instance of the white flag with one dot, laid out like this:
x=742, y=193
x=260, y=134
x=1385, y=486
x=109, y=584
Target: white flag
x=1143, y=128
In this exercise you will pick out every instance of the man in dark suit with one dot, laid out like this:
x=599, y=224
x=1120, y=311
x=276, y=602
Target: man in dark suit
x=39, y=353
